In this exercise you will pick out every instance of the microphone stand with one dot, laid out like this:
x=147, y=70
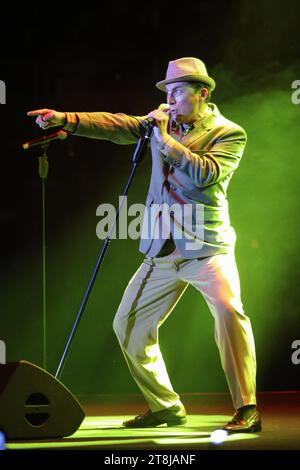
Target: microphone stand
x=43, y=173
x=136, y=159
x=44, y=143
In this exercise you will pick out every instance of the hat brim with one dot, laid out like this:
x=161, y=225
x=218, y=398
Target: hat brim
x=187, y=78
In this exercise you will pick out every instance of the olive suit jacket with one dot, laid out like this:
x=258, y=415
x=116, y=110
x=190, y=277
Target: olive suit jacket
x=187, y=195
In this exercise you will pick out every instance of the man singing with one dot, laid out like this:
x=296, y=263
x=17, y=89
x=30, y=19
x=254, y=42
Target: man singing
x=195, y=151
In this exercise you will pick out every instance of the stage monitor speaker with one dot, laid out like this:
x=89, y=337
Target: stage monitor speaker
x=34, y=404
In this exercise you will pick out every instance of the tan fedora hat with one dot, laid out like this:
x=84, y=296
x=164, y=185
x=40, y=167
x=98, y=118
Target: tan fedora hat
x=188, y=69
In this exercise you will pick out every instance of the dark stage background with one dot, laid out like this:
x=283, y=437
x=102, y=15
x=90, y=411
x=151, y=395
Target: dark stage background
x=108, y=58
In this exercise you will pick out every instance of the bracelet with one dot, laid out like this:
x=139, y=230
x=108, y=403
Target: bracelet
x=65, y=121
x=71, y=124
x=77, y=122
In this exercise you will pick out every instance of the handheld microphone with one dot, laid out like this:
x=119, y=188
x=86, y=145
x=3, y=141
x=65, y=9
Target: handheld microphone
x=150, y=122
x=60, y=135
x=148, y=125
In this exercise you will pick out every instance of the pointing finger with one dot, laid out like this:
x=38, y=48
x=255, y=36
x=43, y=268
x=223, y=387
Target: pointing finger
x=38, y=111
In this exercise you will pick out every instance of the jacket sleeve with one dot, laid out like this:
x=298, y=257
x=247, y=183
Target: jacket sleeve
x=119, y=128
x=207, y=167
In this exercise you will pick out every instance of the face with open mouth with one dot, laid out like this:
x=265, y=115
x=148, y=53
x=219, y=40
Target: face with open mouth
x=183, y=102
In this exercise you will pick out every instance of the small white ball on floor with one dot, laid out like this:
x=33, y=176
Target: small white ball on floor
x=218, y=436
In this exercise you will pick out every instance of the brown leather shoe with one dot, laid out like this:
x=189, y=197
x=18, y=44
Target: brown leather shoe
x=244, y=420
x=172, y=416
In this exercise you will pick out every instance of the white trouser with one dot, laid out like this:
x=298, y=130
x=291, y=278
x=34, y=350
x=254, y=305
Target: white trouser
x=149, y=298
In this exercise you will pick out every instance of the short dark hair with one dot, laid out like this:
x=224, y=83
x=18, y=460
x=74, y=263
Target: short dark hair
x=199, y=85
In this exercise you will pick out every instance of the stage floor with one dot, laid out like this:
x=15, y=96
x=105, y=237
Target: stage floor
x=102, y=428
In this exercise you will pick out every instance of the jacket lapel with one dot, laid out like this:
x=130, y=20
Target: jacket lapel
x=202, y=126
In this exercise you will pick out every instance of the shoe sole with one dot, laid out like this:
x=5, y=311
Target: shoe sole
x=254, y=428
x=177, y=422
x=174, y=422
